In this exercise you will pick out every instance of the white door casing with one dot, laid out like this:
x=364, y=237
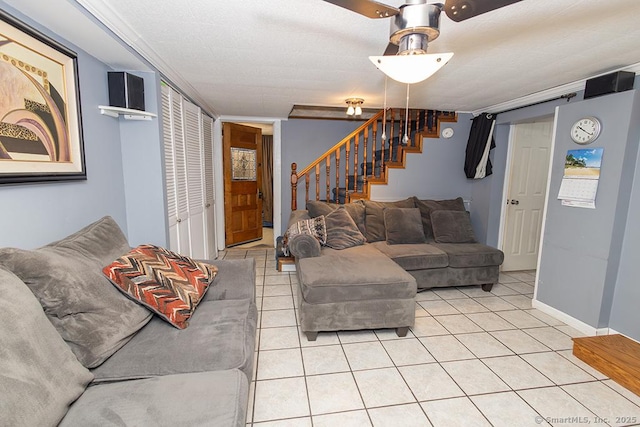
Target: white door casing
x=526, y=193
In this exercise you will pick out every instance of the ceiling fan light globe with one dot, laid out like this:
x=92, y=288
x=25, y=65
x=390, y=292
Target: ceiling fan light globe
x=411, y=68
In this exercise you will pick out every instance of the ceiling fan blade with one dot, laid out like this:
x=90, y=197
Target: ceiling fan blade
x=392, y=49
x=368, y=8
x=459, y=10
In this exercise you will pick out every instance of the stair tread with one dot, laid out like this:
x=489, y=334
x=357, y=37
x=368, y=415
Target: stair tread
x=614, y=355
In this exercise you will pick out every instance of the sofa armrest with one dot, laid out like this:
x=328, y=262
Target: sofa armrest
x=302, y=245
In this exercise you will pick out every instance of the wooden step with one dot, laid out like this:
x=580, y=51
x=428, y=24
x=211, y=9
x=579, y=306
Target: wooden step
x=354, y=196
x=616, y=356
x=394, y=165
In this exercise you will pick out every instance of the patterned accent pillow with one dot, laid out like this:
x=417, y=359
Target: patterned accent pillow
x=315, y=227
x=169, y=284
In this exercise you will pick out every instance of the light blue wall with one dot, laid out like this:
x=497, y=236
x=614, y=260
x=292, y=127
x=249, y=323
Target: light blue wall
x=582, y=248
x=117, y=151
x=303, y=140
x=143, y=168
x=36, y=214
x=624, y=308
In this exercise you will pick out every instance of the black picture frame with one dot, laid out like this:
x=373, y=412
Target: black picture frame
x=41, y=138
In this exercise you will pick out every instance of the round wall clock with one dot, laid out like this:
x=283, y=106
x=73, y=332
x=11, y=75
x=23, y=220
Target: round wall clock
x=585, y=130
x=447, y=133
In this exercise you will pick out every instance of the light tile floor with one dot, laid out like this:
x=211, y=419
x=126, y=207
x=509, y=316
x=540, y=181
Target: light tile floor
x=473, y=359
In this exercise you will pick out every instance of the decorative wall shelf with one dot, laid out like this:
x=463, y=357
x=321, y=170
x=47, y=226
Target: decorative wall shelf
x=127, y=113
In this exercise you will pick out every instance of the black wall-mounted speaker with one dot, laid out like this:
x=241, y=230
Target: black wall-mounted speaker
x=610, y=83
x=126, y=90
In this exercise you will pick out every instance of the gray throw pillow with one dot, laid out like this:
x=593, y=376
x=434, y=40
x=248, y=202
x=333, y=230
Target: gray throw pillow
x=403, y=226
x=342, y=232
x=374, y=220
x=452, y=227
x=428, y=206
x=90, y=314
x=355, y=209
x=39, y=375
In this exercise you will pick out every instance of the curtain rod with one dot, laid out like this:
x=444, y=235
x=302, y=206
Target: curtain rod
x=566, y=96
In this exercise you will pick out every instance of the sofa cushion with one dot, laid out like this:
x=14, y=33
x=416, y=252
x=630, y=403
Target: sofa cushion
x=315, y=227
x=374, y=217
x=428, y=206
x=342, y=232
x=200, y=399
x=39, y=375
x=169, y=284
x=403, y=226
x=90, y=314
x=414, y=256
x=355, y=210
x=233, y=280
x=471, y=254
x=221, y=335
x=452, y=227
x=354, y=274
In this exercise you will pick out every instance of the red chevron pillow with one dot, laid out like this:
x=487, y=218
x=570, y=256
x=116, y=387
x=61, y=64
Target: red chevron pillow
x=167, y=283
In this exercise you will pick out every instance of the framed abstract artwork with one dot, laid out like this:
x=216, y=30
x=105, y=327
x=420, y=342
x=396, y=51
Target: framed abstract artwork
x=40, y=121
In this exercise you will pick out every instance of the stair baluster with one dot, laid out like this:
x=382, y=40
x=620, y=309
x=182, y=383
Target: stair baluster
x=337, y=174
x=318, y=181
x=328, y=160
x=346, y=174
x=306, y=187
x=364, y=156
x=294, y=187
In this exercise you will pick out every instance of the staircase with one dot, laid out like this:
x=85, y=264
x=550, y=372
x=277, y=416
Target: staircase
x=363, y=158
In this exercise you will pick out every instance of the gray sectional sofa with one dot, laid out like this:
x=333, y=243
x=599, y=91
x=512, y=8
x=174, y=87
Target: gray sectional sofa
x=347, y=285
x=77, y=352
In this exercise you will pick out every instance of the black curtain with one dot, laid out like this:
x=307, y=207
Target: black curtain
x=476, y=163
x=267, y=179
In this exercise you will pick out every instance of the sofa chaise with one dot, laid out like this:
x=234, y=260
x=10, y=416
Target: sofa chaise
x=346, y=282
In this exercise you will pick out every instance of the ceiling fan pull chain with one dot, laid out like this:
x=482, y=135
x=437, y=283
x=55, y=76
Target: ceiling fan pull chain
x=384, y=114
x=405, y=139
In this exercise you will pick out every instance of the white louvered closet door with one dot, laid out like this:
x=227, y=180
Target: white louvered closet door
x=169, y=166
x=209, y=194
x=182, y=200
x=195, y=178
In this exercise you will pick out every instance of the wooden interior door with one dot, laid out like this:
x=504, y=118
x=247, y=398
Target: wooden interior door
x=526, y=195
x=242, y=181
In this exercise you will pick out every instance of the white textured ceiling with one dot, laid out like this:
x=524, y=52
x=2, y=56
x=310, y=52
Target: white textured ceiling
x=259, y=58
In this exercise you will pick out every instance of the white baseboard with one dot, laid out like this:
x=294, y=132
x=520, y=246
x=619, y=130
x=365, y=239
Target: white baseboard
x=571, y=321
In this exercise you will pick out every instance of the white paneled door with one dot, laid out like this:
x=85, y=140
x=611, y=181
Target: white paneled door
x=187, y=143
x=526, y=194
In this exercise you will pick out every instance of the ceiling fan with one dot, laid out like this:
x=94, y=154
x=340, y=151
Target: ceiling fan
x=413, y=26
x=416, y=23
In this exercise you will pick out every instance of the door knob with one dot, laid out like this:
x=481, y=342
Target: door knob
x=515, y=202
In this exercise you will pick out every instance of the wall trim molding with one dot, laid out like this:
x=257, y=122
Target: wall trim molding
x=569, y=320
x=550, y=93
